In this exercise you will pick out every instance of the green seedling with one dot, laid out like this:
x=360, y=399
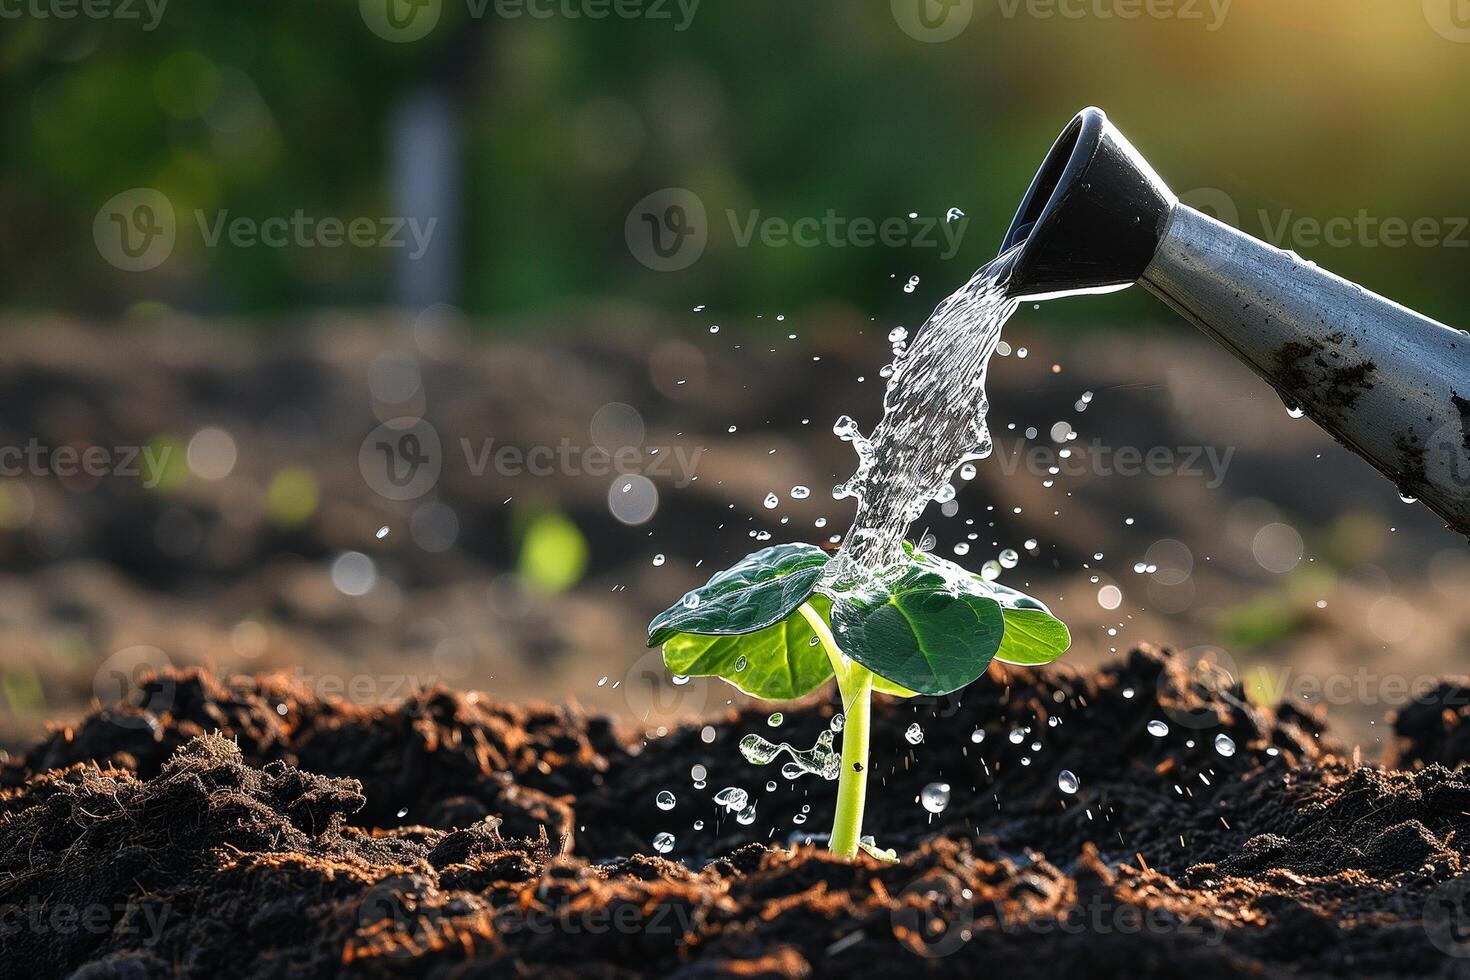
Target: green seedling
x=771, y=626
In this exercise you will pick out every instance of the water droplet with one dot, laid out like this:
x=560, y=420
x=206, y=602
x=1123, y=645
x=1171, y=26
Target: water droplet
x=838, y=721
x=911, y=285
x=914, y=734
x=1157, y=728
x=1009, y=558
x=714, y=328
x=665, y=800
x=962, y=549
x=1224, y=745
x=935, y=797
x=1017, y=736
x=967, y=471
x=800, y=493
x=1295, y=411
x=699, y=825
x=953, y=214
x=897, y=335
x=741, y=663
x=771, y=501
x=658, y=559
x=664, y=842
x=691, y=600
x=977, y=736
x=698, y=772
x=746, y=817
x=382, y=532
x=732, y=798
x=1067, y=781
x=775, y=719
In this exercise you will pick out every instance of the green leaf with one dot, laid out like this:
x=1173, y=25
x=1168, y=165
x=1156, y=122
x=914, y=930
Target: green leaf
x=760, y=590
x=778, y=663
x=1032, y=637
x=932, y=633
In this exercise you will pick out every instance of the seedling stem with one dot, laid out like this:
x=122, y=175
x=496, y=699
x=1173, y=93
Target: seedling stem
x=855, y=683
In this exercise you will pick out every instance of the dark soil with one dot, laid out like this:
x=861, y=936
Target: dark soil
x=251, y=830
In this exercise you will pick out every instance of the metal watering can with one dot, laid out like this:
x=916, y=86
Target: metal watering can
x=1391, y=385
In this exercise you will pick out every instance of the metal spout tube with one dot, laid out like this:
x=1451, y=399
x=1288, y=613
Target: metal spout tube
x=1391, y=385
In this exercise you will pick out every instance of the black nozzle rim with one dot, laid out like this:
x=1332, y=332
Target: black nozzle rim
x=1093, y=216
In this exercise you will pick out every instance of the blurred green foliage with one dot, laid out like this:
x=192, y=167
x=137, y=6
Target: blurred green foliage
x=1313, y=108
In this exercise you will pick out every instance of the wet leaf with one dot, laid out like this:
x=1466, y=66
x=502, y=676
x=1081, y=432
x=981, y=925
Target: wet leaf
x=760, y=590
x=780, y=662
x=932, y=634
x=1032, y=637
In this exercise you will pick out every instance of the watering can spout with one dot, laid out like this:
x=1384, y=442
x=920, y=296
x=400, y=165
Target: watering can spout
x=1391, y=385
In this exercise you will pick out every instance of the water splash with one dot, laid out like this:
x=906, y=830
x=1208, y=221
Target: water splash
x=819, y=760
x=933, y=421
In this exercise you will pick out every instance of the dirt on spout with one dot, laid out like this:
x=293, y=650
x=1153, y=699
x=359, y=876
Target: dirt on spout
x=218, y=836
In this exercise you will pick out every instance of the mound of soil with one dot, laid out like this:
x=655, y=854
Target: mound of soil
x=250, y=829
